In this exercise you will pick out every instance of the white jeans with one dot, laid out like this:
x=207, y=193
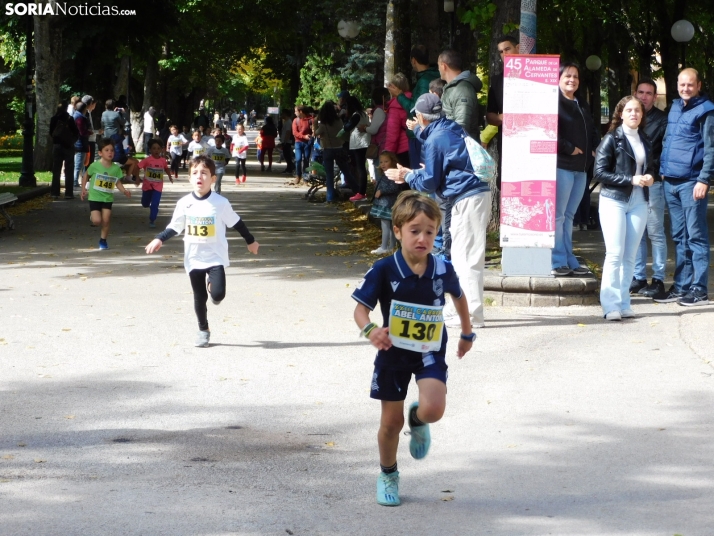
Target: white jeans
x=469, y=219
x=623, y=224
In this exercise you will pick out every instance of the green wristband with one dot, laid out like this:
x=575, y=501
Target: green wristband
x=368, y=329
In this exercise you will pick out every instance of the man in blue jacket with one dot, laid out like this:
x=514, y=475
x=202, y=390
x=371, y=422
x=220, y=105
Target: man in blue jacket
x=687, y=167
x=448, y=172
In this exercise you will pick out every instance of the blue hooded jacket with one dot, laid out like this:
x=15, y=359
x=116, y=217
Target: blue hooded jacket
x=447, y=167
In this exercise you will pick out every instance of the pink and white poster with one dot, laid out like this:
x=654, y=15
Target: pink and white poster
x=530, y=145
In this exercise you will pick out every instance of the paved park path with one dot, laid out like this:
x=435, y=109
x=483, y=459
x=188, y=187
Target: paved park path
x=111, y=422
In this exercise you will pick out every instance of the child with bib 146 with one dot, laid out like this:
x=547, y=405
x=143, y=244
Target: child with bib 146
x=103, y=176
x=203, y=217
x=410, y=287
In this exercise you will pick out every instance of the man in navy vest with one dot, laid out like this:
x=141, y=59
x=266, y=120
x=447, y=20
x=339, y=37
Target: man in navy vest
x=687, y=167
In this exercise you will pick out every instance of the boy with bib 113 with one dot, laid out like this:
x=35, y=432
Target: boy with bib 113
x=103, y=176
x=203, y=216
x=410, y=287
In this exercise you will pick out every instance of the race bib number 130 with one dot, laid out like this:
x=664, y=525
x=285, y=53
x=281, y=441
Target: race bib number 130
x=200, y=229
x=416, y=327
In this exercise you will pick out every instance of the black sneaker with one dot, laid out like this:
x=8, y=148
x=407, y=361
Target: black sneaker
x=672, y=295
x=637, y=285
x=694, y=297
x=653, y=289
x=561, y=271
x=581, y=270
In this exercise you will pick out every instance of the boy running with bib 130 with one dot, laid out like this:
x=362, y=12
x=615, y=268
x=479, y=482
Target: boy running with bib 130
x=203, y=216
x=410, y=287
x=103, y=176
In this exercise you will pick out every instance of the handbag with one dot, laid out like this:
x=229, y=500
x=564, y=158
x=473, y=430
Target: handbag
x=372, y=151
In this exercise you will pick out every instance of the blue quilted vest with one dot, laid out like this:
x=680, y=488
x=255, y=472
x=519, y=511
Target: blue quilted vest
x=683, y=151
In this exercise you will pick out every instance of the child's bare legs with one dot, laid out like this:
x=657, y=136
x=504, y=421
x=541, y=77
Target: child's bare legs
x=102, y=218
x=432, y=400
x=390, y=426
x=132, y=168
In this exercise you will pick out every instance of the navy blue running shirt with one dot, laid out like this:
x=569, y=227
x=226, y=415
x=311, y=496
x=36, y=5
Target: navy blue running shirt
x=392, y=279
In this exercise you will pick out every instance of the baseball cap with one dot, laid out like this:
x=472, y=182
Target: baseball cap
x=87, y=99
x=343, y=94
x=428, y=103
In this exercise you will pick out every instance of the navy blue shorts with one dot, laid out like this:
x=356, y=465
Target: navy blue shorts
x=391, y=385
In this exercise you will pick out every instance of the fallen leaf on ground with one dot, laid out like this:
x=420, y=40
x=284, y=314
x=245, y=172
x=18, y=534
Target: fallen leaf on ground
x=448, y=498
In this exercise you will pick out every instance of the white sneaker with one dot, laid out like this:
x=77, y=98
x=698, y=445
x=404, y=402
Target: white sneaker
x=628, y=313
x=380, y=251
x=613, y=315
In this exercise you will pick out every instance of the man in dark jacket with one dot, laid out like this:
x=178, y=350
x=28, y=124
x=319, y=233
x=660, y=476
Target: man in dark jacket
x=424, y=75
x=687, y=168
x=494, y=107
x=460, y=98
x=448, y=172
x=655, y=125
x=64, y=133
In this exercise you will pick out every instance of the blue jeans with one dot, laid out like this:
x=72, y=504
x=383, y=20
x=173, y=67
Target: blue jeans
x=655, y=231
x=329, y=157
x=690, y=235
x=622, y=224
x=219, y=178
x=569, y=188
x=151, y=199
x=302, y=154
x=78, y=167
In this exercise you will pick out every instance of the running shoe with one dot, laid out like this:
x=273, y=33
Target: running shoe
x=693, y=298
x=202, y=339
x=380, y=250
x=388, y=489
x=637, y=285
x=581, y=270
x=357, y=197
x=420, y=438
x=561, y=271
x=613, y=316
x=152, y=224
x=653, y=289
x=672, y=295
x=103, y=243
x=627, y=313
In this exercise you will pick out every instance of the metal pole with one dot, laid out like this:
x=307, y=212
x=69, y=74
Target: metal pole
x=27, y=172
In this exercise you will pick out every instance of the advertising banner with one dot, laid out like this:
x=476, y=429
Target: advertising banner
x=530, y=146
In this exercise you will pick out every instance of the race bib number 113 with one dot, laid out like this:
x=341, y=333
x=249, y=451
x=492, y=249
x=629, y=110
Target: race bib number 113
x=200, y=229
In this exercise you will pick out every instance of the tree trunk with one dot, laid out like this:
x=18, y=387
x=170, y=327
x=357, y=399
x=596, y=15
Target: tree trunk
x=402, y=37
x=48, y=51
x=669, y=49
x=428, y=30
x=150, y=99
x=507, y=12
x=122, y=78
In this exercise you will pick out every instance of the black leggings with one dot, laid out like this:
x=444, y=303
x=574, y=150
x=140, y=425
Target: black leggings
x=360, y=159
x=217, y=279
x=240, y=164
x=175, y=162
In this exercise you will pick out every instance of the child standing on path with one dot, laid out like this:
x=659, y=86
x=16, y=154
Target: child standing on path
x=154, y=167
x=240, y=151
x=174, y=147
x=220, y=156
x=410, y=287
x=203, y=216
x=104, y=175
x=385, y=194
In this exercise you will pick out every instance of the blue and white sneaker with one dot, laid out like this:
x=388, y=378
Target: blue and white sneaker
x=103, y=243
x=420, y=438
x=388, y=489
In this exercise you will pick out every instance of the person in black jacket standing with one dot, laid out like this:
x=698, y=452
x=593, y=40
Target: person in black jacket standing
x=64, y=133
x=623, y=165
x=654, y=128
x=577, y=140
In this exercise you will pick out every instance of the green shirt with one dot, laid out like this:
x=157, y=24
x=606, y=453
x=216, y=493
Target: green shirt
x=103, y=181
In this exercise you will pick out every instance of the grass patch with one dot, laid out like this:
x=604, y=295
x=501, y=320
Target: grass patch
x=11, y=164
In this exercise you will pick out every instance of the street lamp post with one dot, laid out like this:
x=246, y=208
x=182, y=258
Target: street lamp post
x=27, y=172
x=682, y=32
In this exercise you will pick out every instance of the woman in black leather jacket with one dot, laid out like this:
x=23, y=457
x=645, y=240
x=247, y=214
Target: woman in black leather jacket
x=623, y=164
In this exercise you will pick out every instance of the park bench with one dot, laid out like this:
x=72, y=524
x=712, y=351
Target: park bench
x=7, y=199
